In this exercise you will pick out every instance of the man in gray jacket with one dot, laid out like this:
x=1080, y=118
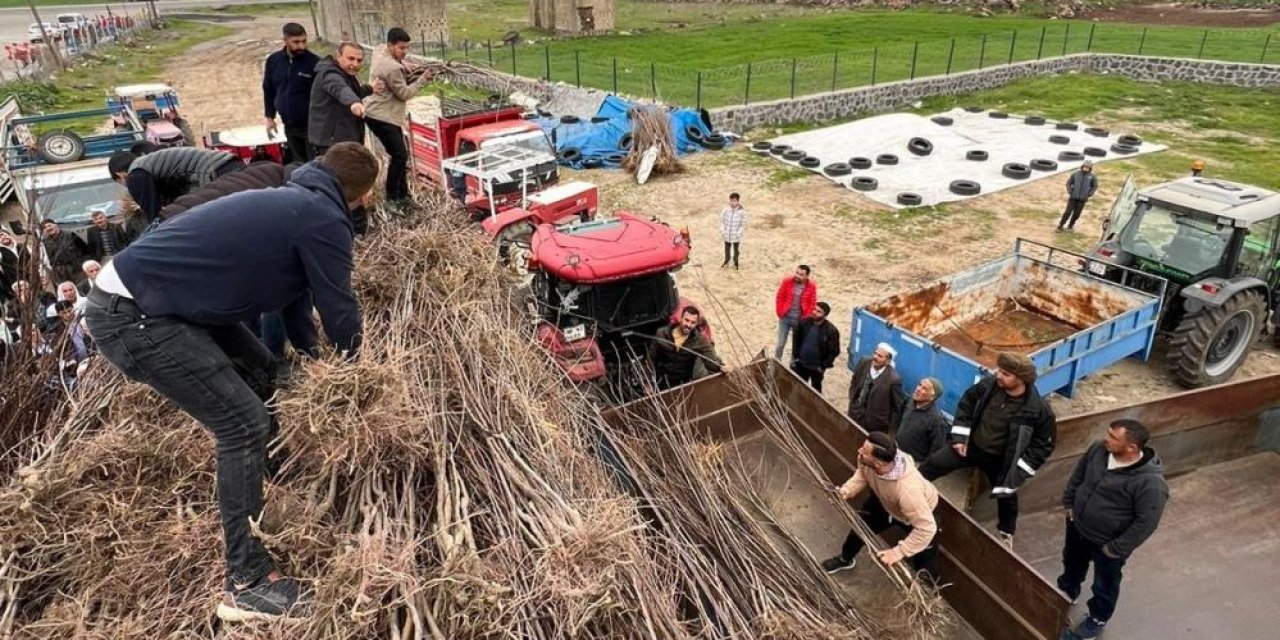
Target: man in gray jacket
x=1080, y=187
x=385, y=110
x=337, y=113
x=923, y=430
x=1113, y=503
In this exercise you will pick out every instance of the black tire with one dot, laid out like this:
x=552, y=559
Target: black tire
x=1130, y=140
x=695, y=134
x=625, y=141
x=1016, y=170
x=910, y=199
x=920, y=146
x=837, y=169
x=1124, y=149
x=570, y=119
x=570, y=154
x=1097, y=132
x=864, y=183
x=965, y=187
x=779, y=149
x=713, y=141
x=998, y=115
x=1040, y=164
x=1209, y=346
x=810, y=162
x=794, y=155
x=615, y=158
x=1034, y=121
x=859, y=162
x=1067, y=126
x=974, y=109
x=943, y=120
x=1060, y=139
x=59, y=147
x=1095, y=152
x=887, y=158
x=1070, y=156
x=977, y=155
x=594, y=162
x=761, y=146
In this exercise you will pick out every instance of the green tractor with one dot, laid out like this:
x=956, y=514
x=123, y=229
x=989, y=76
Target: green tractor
x=1216, y=243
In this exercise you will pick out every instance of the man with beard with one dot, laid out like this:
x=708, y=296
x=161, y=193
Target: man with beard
x=286, y=89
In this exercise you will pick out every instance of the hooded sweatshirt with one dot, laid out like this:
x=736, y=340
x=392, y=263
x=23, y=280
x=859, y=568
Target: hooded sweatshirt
x=1117, y=508
x=906, y=495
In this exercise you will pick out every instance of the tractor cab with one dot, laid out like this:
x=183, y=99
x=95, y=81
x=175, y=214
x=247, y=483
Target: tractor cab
x=1218, y=244
x=156, y=105
x=603, y=288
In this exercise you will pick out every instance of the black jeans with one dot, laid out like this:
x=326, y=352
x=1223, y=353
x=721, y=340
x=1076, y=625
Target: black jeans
x=946, y=460
x=879, y=520
x=299, y=150
x=727, y=247
x=1077, y=553
x=392, y=139
x=1074, y=208
x=218, y=375
x=812, y=375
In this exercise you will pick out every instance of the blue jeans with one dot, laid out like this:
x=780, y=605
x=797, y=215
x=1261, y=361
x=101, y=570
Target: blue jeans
x=785, y=325
x=218, y=375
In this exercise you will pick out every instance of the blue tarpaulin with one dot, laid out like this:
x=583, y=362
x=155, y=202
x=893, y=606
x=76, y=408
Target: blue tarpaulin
x=600, y=143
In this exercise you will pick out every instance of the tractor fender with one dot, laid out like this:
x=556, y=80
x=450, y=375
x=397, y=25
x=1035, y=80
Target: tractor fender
x=1195, y=298
x=493, y=225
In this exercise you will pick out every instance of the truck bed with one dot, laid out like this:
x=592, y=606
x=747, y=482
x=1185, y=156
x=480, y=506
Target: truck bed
x=1210, y=571
x=1007, y=327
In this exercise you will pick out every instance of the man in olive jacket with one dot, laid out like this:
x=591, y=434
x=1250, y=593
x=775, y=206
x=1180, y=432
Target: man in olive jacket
x=1113, y=503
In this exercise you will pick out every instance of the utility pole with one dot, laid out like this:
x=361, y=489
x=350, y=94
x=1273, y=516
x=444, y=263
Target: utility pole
x=44, y=35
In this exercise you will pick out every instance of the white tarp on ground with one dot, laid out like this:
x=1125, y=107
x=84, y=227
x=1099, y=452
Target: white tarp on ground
x=1004, y=139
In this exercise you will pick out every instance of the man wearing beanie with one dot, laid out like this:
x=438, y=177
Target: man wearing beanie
x=1004, y=428
x=815, y=344
x=924, y=429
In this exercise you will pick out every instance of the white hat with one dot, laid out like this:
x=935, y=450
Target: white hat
x=884, y=346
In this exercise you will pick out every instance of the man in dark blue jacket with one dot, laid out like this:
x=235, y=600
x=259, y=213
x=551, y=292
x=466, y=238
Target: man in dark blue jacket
x=1113, y=503
x=286, y=89
x=169, y=310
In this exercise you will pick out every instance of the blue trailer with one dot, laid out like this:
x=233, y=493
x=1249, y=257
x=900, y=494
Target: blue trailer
x=1042, y=301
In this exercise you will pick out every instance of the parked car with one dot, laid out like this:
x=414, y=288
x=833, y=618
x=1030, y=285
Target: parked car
x=54, y=31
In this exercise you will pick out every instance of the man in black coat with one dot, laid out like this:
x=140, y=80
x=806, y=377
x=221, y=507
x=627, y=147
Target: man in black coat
x=65, y=252
x=923, y=430
x=876, y=399
x=676, y=351
x=106, y=238
x=815, y=344
x=160, y=177
x=286, y=89
x=1004, y=428
x=1113, y=503
x=169, y=310
x=337, y=113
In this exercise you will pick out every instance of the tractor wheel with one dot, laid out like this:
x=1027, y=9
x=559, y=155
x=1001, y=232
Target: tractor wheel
x=187, y=135
x=61, y=146
x=1209, y=346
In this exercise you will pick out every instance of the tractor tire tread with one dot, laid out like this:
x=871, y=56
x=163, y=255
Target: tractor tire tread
x=1191, y=340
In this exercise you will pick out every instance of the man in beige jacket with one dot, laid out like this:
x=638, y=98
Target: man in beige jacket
x=899, y=496
x=385, y=109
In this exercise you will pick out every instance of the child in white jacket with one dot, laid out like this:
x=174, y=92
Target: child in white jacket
x=733, y=224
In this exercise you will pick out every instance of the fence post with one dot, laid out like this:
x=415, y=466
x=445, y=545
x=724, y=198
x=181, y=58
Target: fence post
x=653, y=80
x=488, y=44
x=793, y=78
x=982, y=54
x=746, y=95
x=442, y=45
x=1040, y=47
x=1089, y=45
x=577, y=68
x=1143, y=42
x=698, y=100
x=615, y=75
x=1065, y=39
x=1265, y=44
x=513, y=59
x=875, y=59
x=1200, y=54
x=915, y=49
x=1013, y=42
x=835, y=69
x=951, y=54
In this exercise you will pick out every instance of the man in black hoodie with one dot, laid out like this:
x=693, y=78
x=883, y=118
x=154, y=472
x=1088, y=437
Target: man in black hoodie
x=1113, y=503
x=337, y=112
x=169, y=310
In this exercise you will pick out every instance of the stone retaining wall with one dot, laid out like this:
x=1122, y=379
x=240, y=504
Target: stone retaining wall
x=1151, y=69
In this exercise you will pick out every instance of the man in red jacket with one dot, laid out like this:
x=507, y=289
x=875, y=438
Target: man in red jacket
x=796, y=299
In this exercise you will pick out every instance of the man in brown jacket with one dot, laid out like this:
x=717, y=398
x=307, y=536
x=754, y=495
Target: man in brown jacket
x=385, y=110
x=899, y=495
x=876, y=399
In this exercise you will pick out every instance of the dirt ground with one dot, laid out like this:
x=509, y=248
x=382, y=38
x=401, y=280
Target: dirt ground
x=860, y=251
x=1187, y=16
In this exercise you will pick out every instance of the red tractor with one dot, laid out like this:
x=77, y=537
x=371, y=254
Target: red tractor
x=602, y=289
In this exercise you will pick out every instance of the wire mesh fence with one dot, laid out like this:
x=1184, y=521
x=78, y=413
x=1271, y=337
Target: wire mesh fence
x=775, y=79
x=36, y=58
